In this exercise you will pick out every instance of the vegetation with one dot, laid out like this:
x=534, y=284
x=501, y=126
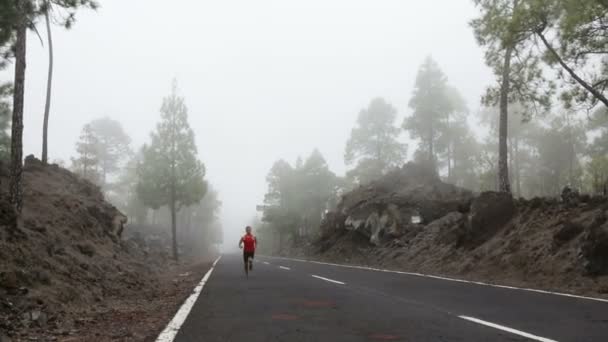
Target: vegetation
x=373, y=144
x=298, y=196
x=170, y=173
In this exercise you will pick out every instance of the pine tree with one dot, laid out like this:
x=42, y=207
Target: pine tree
x=373, y=144
x=113, y=145
x=431, y=107
x=170, y=173
x=87, y=148
x=511, y=53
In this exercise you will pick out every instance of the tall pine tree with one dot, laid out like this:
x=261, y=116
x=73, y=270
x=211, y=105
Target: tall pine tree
x=431, y=107
x=170, y=173
x=511, y=53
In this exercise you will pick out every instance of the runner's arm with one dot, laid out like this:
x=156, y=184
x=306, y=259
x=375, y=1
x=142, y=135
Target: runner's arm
x=241, y=243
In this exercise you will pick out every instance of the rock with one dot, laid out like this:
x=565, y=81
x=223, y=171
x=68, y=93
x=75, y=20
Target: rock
x=572, y=228
x=448, y=229
x=9, y=281
x=86, y=249
x=490, y=211
x=568, y=231
x=594, y=250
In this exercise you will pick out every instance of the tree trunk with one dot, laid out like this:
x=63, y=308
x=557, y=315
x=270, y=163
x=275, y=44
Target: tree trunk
x=174, y=224
x=503, y=158
x=450, y=159
x=516, y=169
x=431, y=148
x=47, y=106
x=16, y=174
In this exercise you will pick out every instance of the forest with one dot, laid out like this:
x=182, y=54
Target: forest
x=539, y=129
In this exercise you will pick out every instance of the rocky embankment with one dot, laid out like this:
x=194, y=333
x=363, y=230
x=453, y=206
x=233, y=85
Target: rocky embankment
x=413, y=221
x=65, y=266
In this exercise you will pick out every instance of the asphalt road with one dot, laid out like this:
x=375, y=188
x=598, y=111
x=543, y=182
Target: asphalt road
x=289, y=300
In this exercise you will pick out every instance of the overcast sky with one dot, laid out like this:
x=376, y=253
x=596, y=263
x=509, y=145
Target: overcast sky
x=263, y=79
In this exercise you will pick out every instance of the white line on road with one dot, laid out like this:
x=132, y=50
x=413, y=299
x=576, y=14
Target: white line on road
x=284, y=268
x=266, y=263
x=453, y=279
x=168, y=335
x=329, y=280
x=507, y=329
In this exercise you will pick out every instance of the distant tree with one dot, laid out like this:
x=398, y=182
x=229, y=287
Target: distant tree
x=596, y=174
x=170, y=173
x=113, y=146
x=204, y=219
x=87, y=148
x=559, y=149
x=298, y=197
x=510, y=52
x=431, y=107
x=521, y=147
x=5, y=112
x=463, y=152
x=373, y=144
x=318, y=187
x=124, y=191
x=281, y=201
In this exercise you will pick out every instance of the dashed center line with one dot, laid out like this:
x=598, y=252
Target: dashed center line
x=284, y=268
x=507, y=329
x=329, y=280
x=266, y=263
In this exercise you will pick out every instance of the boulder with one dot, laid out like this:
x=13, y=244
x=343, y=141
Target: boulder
x=449, y=229
x=490, y=211
x=572, y=228
x=594, y=250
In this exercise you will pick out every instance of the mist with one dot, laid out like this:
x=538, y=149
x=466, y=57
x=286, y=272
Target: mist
x=262, y=80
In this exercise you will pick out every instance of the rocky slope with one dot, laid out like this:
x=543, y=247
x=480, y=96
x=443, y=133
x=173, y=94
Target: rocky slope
x=542, y=243
x=67, y=254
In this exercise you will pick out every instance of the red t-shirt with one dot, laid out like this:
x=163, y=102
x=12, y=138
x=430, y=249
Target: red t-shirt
x=248, y=242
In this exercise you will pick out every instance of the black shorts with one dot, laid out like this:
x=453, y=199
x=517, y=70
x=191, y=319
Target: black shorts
x=247, y=255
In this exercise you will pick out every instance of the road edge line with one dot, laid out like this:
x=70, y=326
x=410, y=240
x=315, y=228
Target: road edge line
x=171, y=330
x=561, y=294
x=506, y=329
x=327, y=279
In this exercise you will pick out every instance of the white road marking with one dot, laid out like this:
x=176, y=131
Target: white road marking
x=284, y=268
x=329, y=280
x=453, y=279
x=266, y=263
x=168, y=335
x=507, y=329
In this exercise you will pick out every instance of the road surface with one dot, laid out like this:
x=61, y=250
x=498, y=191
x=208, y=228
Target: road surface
x=291, y=300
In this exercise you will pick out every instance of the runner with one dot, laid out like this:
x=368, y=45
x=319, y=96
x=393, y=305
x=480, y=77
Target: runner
x=250, y=243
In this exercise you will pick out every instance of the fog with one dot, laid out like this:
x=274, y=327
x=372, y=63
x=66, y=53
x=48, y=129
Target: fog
x=263, y=80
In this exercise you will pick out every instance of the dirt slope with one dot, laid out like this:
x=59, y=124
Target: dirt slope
x=67, y=256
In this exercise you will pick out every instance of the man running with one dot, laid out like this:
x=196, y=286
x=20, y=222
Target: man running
x=250, y=243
